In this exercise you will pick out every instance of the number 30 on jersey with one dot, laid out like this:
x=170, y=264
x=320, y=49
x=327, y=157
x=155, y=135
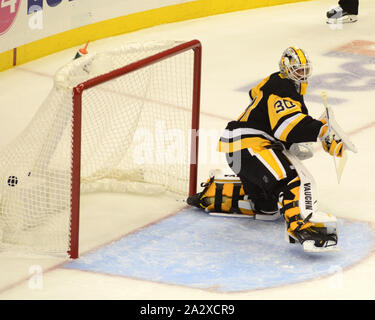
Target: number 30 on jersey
x=282, y=105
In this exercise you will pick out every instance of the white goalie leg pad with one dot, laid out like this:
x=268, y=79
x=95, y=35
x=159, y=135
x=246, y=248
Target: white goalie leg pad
x=308, y=204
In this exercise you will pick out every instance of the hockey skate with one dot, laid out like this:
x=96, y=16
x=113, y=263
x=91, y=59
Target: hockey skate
x=338, y=15
x=316, y=233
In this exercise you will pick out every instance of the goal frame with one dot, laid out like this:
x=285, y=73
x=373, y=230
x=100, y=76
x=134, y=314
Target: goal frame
x=78, y=90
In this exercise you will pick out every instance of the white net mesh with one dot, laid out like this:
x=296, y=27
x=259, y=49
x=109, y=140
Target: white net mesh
x=135, y=138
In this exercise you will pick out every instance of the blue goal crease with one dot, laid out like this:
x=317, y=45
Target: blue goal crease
x=197, y=250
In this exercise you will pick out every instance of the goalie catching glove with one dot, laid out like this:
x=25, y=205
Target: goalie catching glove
x=330, y=143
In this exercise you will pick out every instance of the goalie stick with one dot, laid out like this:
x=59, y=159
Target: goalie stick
x=334, y=128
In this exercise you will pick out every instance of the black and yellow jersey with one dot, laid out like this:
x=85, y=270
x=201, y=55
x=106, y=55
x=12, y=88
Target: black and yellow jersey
x=277, y=113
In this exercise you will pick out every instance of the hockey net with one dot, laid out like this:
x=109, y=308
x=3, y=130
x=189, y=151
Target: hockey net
x=119, y=121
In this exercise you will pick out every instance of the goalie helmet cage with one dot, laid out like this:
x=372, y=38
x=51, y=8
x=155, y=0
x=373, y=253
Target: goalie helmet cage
x=94, y=84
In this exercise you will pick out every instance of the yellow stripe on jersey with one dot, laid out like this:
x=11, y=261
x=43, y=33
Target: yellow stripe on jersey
x=257, y=89
x=245, y=115
x=255, y=143
x=272, y=163
x=284, y=129
x=279, y=107
x=256, y=94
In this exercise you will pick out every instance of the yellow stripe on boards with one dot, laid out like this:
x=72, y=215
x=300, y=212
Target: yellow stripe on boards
x=6, y=60
x=130, y=23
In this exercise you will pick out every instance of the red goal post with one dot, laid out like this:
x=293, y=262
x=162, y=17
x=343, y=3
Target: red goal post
x=123, y=120
x=78, y=91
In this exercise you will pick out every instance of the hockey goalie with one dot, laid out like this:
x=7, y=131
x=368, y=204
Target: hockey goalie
x=264, y=148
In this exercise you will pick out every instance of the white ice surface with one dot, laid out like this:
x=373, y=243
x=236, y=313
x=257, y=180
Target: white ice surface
x=238, y=49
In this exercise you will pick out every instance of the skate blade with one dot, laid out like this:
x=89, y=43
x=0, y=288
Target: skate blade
x=267, y=217
x=342, y=21
x=308, y=246
x=232, y=215
x=263, y=217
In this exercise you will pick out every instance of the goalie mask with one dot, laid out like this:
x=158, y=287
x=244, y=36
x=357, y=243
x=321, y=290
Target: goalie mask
x=296, y=66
